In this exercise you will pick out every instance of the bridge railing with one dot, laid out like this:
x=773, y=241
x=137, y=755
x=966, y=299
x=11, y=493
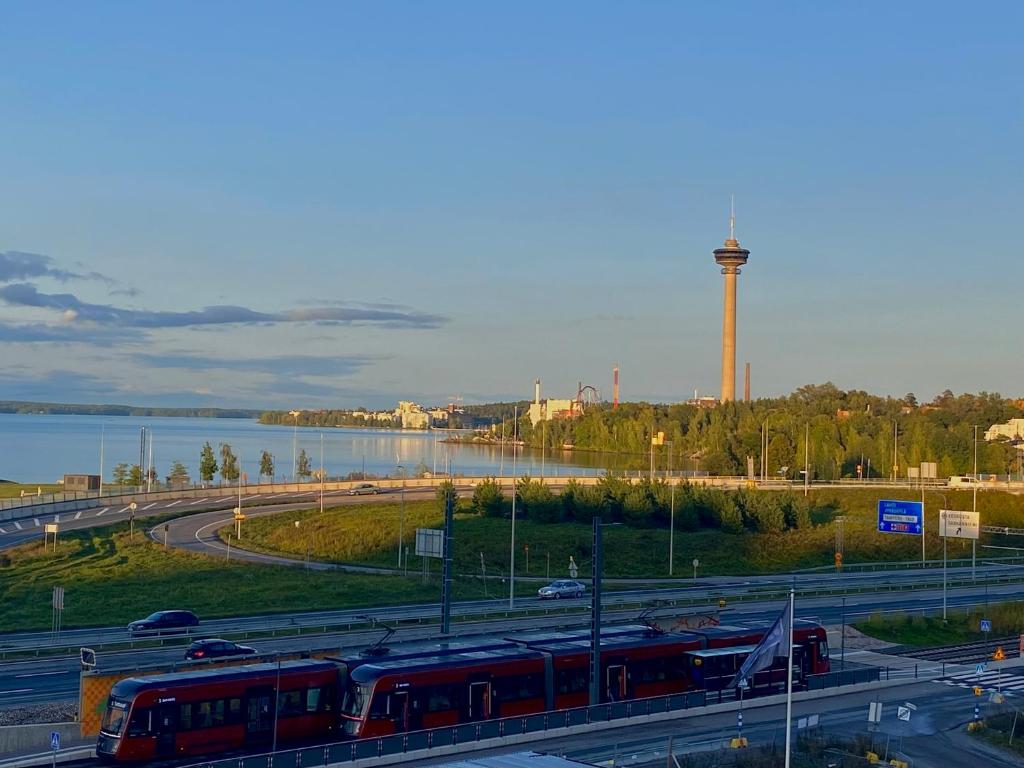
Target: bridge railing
x=550, y=723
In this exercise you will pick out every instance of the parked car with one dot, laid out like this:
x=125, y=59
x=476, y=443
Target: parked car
x=559, y=589
x=163, y=621
x=363, y=488
x=214, y=647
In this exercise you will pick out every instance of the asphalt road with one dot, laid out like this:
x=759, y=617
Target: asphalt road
x=934, y=737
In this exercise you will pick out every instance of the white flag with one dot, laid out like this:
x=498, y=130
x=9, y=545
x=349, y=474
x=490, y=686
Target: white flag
x=774, y=645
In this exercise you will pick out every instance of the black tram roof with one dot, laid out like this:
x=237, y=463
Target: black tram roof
x=616, y=642
x=428, y=648
x=375, y=668
x=131, y=686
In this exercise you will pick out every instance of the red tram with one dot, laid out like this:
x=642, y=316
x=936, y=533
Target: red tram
x=427, y=685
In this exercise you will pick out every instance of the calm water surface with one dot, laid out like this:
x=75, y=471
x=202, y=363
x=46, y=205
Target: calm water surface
x=36, y=448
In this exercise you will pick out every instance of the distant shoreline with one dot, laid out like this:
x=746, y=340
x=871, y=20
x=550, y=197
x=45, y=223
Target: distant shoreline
x=29, y=408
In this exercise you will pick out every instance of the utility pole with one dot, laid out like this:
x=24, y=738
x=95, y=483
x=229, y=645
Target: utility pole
x=596, y=557
x=446, y=576
x=974, y=548
x=807, y=457
x=512, y=548
x=672, y=513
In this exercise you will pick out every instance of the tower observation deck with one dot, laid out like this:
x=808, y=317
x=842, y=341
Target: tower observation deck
x=730, y=257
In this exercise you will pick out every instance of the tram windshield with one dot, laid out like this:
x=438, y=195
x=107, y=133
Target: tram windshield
x=114, y=717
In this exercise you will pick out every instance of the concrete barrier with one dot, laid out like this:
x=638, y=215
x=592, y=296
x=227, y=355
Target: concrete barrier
x=20, y=738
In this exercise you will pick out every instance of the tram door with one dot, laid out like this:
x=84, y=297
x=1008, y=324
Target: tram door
x=259, y=720
x=479, y=701
x=616, y=678
x=398, y=710
x=166, y=727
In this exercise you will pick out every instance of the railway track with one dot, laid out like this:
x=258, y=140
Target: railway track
x=964, y=652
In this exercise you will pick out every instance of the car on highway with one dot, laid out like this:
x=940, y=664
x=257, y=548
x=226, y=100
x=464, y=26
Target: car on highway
x=559, y=589
x=214, y=647
x=363, y=489
x=164, y=621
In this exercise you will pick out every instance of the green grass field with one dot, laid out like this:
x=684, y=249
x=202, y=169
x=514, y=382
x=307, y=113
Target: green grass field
x=110, y=580
x=9, y=490
x=961, y=627
x=369, y=535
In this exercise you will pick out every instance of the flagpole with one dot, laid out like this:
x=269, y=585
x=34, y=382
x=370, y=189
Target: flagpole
x=789, y=678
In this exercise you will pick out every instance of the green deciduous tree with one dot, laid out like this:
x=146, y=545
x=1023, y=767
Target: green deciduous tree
x=207, y=463
x=121, y=474
x=266, y=464
x=228, y=463
x=304, y=469
x=488, y=499
x=178, y=475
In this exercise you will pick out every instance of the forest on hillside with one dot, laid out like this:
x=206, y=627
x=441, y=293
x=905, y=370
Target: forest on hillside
x=842, y=429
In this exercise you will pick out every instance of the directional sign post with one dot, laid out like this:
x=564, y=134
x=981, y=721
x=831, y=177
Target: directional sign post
x=959, y=525
x=54, y=746
x=900, y=517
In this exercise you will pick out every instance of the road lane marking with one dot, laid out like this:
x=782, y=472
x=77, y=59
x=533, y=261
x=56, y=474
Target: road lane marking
x=44, y=674
x=199, y=501
x=2, y=530
x=19, y=690
x=148, y=506
x=56, y=518
x=105, y=509
x=123, y=510
x=174, y=502
x=17, y=525
x=78, y=514
x=36, y=521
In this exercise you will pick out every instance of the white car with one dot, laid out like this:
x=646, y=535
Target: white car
x=559, y=589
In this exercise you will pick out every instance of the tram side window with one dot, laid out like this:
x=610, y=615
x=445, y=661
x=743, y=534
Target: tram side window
x=572, y=680
x=202, y=714
x=319, y=699
x=291, y=703
x=439, y=699
x=185, y=717
x=521, y=687
x=141, y=722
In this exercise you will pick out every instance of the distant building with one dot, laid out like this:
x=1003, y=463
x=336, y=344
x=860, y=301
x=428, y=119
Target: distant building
x=412, y=416
x=553, y=408
x=81, y=482
x=1011, y=430
x=703, y=402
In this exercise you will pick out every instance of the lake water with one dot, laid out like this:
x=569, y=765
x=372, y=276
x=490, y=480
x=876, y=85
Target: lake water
x=38, y=448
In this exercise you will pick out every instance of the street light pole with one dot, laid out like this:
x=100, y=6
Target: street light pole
x=321, y=473
x=807, y=457
x=512, y=548
x=672, y=513
x=974, y=508
x=295, y=443
x=595, y=614
x=401, y=519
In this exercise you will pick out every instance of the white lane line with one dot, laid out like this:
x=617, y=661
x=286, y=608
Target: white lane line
x=2, y=530
x=56, y=518
x=78, y=514
x=173, y=503
x=198, y=501
x=249, y=498
x=19, y=690
x=36, y=521
x=105, y=509
x=148, y=506
x=127, y=508
x=18, y=526
x=45, y=674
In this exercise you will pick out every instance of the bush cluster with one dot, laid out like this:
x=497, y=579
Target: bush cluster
x=647, y=504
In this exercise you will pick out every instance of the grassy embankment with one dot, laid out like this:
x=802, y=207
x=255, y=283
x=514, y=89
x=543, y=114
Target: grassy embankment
x=110, y=580
x=962, y=627
x=8, y=490
x=998, y=727
x=369, y=535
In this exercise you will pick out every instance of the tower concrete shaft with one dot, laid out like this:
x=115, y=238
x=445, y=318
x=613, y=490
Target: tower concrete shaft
x=730, y=257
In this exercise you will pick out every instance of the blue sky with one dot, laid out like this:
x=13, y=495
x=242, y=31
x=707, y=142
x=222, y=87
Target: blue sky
x=341, y=204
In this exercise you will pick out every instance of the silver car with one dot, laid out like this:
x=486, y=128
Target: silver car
x=559, y=589
x=364, y=488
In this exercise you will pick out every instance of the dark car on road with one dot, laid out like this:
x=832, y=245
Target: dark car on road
x=563, y=588
x=363, y=488
x=214, y=647
x=164, y=621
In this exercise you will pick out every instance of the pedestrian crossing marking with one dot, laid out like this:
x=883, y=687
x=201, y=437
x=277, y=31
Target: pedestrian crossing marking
x=990, y=680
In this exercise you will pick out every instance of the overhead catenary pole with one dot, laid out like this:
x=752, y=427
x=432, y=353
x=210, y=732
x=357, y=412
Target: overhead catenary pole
x=671, y=513
x=595, y=614
x=103, y=435
x=512, y=548
x=446, y=574
x=807, y=457
x=321, y=473
x=789, y=678
x=974, y=508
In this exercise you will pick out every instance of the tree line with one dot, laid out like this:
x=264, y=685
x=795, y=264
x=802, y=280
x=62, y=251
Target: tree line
x=224, y=462
x=841, y=430
x=645, y=504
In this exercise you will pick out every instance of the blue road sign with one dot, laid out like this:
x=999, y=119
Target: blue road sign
x=979, y=669
x=54, y=740
x=977, y=712
x=900, y=517
x=986, y=625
